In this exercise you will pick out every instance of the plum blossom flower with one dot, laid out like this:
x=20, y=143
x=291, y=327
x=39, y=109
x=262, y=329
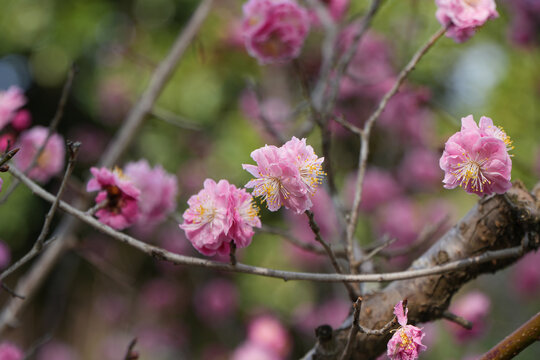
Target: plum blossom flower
x=463, y=17
x=119, y=194
x=10, y=101
x=406, y=342
x=158, y=191
x=474, y=307
x=286, y=176
x=476, y=158
x=268, y=332
x=9, y=351
x=51, y=160
x=218, y=214
x=274, y=30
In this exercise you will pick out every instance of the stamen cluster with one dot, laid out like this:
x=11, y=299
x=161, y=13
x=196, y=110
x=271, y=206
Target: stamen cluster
x=286, y=176
x=476, y=158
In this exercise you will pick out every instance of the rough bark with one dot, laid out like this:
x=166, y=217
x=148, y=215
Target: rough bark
x=494, y=223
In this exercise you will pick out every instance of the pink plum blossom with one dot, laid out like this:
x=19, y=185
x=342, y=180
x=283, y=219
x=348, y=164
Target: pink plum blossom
x=474, y=307
x=218, y=214
x=406, y=342
x=9, y=351
x=158, y=191
x=268, y=332
x=526, y=275
x=286, y=176
x=120, y=194
x=274, y=30
x=476, y=158
x=22, y=120
x=51, y=160
x=10, y=101
x=463, y=17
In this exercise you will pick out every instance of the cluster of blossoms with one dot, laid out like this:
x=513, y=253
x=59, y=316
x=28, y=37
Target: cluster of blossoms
x=406, y=342
x=286, y=176
x=463, y=17
x=218, y=215
x=476, y=158
x=274, y=30
x=138, y=195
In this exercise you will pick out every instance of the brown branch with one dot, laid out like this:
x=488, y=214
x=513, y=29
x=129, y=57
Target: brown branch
x=492, y=226
x=457, y=319
x=516, y=342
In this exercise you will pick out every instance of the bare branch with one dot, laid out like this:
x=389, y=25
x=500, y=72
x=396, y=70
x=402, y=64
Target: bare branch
x=457, y=319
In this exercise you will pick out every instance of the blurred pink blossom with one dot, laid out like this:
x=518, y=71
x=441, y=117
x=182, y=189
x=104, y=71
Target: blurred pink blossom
x=274, y=110
x=56, y=350
x=160, y=295
x=10, y=101
x=216, y=301
x=525, y=22
x=113, y=100
x=463, y=17
x=475, y=307
x=420, y=170
x=7, y=141
x=9, y=351
x=252, y=351
x=526, y=275
x=121, y=196
x=268, y=332
x=274, y=30
x=218, y=214
x=476, y=160
x=399, y=219
x=5, y=252
x=22, y=120
x=307, y=317
x=286, y=176
x=158, y=192
x=379, y=187
x=51, y=160
x=406, y=342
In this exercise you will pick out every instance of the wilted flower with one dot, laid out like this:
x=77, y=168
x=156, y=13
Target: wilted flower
x=218, y=214
x=476, y=158
x=274, y=30
x=120, y=194
x=286, y=176
x=9, y=351
x=51, y=160
x=158, y=191
x=474, y=307
x=406, y=342
x=10, y=101
x=462, y=17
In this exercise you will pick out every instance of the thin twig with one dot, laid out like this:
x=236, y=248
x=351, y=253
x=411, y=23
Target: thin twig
x=131, y=354
x=162, y=254
x=457, y=319
x=317, y=232
x=374, y=252
x=7, y=156
x=11, y=292
x=175, y=119
x=364, y=148
x=516, y=342
x=50, y=131
x=347, y=125
x=357, y=306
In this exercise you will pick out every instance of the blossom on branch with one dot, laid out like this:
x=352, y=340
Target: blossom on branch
x=118, y=195
x=50, y=162
x=476, y=158
x=10, y=101
x=463, y=17
x=158, y=191
x=406, y=342
x=286, y=176
x=274, y=30
x=218, y=215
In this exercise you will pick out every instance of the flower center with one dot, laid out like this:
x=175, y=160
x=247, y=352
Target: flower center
x=114, y=198
x=406, y=342
x=472, y=3
x=469, y=174
x=311, y=174
x=271, y=189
